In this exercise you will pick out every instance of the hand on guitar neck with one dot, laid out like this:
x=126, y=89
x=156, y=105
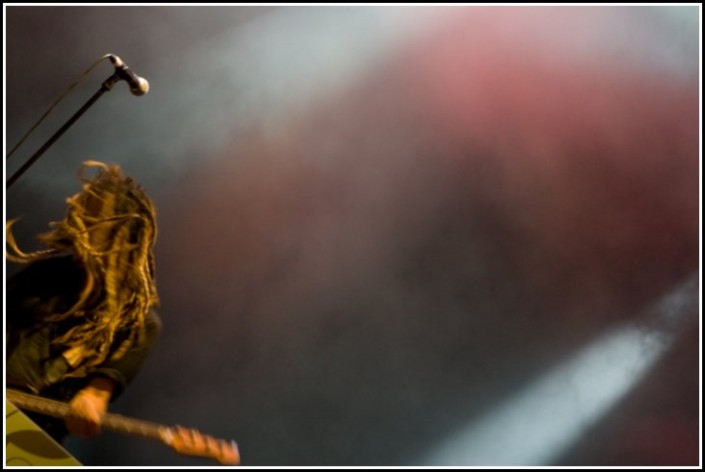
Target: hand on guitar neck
x=191, y=442
x=88, y=407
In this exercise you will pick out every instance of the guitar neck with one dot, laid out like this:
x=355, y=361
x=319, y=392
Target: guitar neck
x=111, y=421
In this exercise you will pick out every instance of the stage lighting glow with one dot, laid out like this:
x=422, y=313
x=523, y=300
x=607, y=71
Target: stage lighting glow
x=539, y=423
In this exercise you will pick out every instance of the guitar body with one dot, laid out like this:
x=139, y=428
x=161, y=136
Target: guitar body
x=28, y=445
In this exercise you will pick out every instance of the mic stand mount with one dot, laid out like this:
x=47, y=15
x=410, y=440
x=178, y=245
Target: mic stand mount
x=106, y=86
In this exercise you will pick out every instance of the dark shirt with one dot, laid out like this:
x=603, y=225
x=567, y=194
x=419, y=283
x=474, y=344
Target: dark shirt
x=33, y=363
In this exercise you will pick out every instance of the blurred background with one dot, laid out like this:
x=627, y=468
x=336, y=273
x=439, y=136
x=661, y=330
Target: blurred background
x=393, y=236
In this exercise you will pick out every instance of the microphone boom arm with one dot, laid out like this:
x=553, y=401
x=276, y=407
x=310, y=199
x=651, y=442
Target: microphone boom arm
x=106, y=86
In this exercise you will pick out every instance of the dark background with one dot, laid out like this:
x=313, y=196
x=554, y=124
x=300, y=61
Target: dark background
x=378, y=224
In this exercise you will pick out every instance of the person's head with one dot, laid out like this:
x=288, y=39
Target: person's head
x=110, y=229
x=110, y=225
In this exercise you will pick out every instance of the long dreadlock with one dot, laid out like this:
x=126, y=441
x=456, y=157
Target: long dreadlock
x=110, y=228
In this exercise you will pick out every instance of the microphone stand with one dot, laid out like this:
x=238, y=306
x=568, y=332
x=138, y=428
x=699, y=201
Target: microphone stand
x=105, y=87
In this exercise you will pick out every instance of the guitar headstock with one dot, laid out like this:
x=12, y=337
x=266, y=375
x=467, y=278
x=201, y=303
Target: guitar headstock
x=194, y=443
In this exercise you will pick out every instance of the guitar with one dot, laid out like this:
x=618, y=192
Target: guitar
x=180, y=439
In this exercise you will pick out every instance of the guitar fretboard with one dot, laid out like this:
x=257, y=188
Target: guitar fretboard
x=111, y=421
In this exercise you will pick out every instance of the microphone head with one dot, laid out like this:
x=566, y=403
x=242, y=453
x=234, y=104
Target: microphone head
x=141, y=88
x=138, y=85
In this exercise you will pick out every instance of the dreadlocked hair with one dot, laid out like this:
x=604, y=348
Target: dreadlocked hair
x=110, y=228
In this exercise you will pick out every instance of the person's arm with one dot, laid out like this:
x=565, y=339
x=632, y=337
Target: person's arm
x=122, y=371
x=107, y=382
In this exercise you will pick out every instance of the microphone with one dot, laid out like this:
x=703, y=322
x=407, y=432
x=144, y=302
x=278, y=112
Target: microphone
x=138, y=85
